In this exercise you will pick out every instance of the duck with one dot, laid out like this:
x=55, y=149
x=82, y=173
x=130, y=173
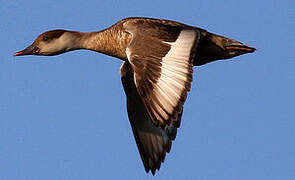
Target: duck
x=158, y=58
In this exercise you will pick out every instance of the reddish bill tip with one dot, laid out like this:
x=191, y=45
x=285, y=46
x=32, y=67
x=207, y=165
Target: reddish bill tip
x=17, y=53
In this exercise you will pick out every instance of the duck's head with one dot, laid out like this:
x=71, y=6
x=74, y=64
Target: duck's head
x=51, y=43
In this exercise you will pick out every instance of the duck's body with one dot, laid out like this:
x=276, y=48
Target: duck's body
x=156, y=74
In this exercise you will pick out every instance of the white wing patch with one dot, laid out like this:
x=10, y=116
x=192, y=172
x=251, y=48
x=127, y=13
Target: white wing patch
x=175, y=72
x=163, y=80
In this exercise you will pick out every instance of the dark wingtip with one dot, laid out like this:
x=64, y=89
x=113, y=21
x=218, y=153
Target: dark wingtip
x=153, y=171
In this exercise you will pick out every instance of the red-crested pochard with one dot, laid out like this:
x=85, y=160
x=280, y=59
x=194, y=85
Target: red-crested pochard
x=158, y=58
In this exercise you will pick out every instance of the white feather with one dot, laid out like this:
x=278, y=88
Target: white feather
x=176, y=68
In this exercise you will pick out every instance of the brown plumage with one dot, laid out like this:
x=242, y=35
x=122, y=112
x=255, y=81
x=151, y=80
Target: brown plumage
x=156, y=74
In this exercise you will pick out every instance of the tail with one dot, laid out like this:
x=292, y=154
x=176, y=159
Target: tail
x=213, y=47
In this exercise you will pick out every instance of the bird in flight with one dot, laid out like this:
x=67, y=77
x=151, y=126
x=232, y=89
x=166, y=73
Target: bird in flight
x=158, y=58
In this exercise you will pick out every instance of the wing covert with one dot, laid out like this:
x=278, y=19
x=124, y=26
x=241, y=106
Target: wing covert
x=161, y=57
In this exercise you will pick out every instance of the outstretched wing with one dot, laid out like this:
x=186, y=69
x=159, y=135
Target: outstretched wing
x=161, y=57
x=152, y=142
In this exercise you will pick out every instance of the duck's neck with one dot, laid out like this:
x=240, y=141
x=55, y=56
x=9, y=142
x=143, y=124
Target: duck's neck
x=108, y=42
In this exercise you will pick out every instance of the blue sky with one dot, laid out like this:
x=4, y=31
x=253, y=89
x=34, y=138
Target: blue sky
x=64, y=117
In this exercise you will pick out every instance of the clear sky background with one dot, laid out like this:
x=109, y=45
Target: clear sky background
x=64, y=117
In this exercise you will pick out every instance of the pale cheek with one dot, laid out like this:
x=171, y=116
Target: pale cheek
x=56, y=46
x=51, y=48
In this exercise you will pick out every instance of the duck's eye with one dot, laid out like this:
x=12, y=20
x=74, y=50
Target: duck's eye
x=45, y=38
